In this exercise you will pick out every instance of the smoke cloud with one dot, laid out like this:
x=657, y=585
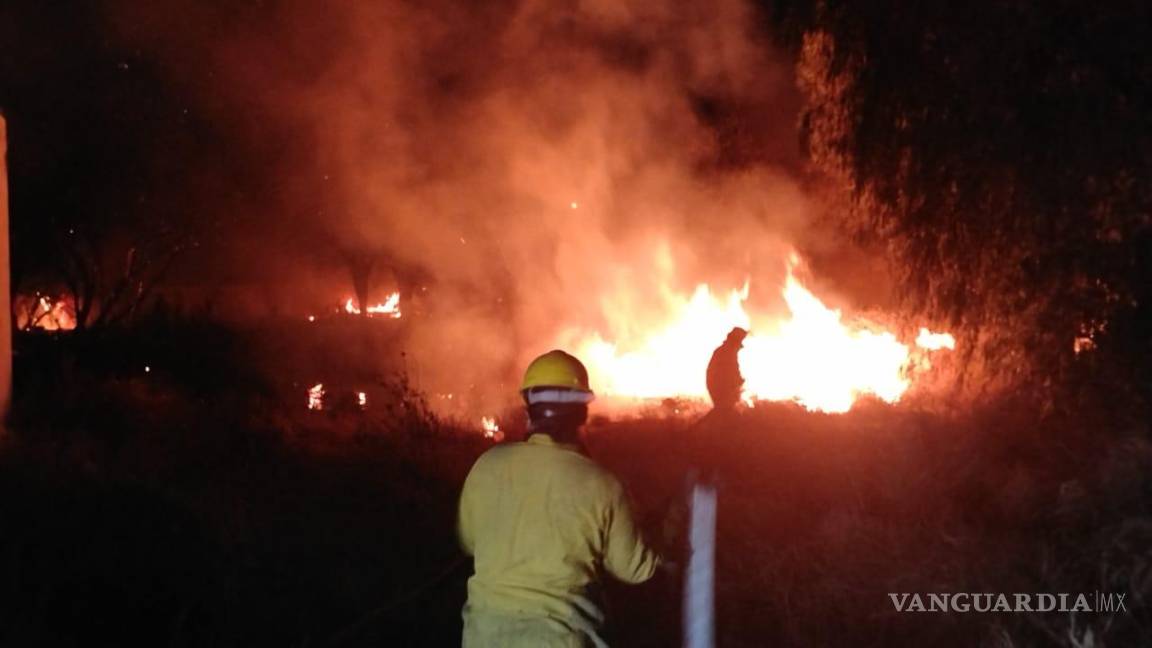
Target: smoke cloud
x=529, y=169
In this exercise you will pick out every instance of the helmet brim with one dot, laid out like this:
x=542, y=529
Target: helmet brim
x=557, y=395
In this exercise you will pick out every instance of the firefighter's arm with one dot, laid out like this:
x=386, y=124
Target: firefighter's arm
x=626, y=555
x=465, y=525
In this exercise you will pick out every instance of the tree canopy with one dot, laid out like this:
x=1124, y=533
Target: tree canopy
x=1002, y=153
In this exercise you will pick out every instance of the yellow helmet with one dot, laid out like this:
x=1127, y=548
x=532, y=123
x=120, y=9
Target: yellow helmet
x=560, y=371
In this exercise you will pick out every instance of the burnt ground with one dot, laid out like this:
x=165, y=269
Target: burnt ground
x=146, y=512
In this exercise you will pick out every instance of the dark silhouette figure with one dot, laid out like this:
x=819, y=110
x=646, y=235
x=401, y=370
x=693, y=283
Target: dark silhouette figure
x=724, y=378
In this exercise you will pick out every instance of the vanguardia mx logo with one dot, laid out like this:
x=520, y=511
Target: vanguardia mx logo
x=1016, y=602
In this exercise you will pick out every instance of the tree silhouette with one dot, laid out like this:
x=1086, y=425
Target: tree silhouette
x=1002, y=153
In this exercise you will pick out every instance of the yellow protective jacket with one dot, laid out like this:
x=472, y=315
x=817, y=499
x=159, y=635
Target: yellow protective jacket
x=543, y=522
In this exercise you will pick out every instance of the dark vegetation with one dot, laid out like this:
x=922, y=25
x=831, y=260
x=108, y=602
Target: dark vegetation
x=166, y=509
x=199, y=504
x=1001, y=154
x=997, y=152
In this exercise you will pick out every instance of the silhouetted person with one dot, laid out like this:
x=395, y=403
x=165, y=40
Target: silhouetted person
x=725, y=381
x=712, y=434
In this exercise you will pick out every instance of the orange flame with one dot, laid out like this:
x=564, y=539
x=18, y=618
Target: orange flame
x=930, y=341
x=316, y=397
x=491, y=429
x=389, y=307
x=810, y=356
x=45, y=313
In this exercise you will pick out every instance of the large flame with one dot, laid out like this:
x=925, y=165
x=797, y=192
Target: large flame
x=811, y=356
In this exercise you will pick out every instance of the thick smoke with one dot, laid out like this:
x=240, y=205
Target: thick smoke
x=538, y=167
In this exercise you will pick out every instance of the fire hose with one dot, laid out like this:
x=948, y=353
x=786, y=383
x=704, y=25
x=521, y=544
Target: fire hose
x=395, y=603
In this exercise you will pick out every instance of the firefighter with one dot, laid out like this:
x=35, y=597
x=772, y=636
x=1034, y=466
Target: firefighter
x=725, y=381
x=544, y=523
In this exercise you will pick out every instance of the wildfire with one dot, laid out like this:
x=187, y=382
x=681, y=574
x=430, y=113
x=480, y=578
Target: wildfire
x=45, y=313
x=1083, y=343
x=389, y=307
x=930, y=341
x=316, y=397
x=491, y=429
x=811, y=356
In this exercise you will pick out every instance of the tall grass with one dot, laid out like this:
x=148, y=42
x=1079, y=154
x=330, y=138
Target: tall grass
x=156, y=510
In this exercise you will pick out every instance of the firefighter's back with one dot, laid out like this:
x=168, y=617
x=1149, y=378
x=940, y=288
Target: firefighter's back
x=534, y=515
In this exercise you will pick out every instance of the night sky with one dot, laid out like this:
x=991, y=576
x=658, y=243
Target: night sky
x=106, y=140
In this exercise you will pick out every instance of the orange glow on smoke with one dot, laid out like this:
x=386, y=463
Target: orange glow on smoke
x=810, y=356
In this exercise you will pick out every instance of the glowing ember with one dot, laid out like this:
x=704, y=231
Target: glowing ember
x=1086, y=341
x=491, y=429
x=316, y=397
x=389, y=307
x=810, y=356
x=362, y=399
x=930, y=341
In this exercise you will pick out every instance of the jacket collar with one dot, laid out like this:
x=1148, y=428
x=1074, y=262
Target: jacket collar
x=542, y=439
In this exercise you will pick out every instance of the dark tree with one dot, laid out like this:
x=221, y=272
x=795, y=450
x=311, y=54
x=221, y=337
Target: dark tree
x=111, y=168
x=1002, y=153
